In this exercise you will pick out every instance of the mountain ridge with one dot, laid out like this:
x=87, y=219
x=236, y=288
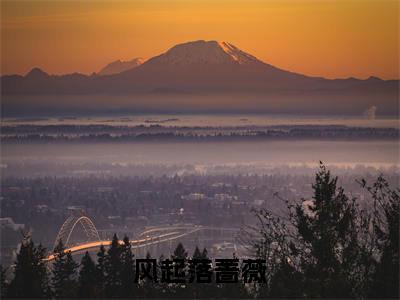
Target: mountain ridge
x=227, y=48
x=119, y=66
x=210, y=68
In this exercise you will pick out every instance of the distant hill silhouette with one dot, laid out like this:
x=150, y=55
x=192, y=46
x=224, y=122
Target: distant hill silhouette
x=120, y=66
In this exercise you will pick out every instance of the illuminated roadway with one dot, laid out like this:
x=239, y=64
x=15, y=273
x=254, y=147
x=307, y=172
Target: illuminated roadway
x=142, y=242
x=180, y=227
x=148, y=241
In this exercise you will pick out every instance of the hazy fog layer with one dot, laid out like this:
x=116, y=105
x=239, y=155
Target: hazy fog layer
x=202, y=120
x=273, y=152
x=122, y=157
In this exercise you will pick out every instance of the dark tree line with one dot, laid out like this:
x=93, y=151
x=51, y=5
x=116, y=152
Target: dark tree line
x=325, y=247
x=329, y=246
x=111, y=276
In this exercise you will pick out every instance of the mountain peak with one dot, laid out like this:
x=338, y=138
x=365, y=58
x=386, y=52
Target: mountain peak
x=205, y=52
x=373, y=78
x=36, y=73
x=119, y=66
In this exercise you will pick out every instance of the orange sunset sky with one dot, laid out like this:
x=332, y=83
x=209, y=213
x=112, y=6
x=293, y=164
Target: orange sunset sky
x=330, y=38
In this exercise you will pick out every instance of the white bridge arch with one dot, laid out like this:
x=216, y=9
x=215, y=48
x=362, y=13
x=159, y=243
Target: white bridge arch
x=69, y=225
x=150, y=237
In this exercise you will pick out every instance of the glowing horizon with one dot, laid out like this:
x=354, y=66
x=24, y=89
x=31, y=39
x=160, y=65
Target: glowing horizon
x=332, y=39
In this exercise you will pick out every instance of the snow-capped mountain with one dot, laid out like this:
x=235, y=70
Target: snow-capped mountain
x=212, y=68
x=205, y=52
x=238, y=55
x=119, y=66
x=208, y=65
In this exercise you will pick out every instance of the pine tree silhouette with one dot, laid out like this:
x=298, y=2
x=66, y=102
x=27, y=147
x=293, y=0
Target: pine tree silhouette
x=196, y=253
x=127, y=272
x=180, y=252
x=286, y=282
x=87, y=282
x=113, y=269
x=328, y=232
x=30, y=273
x=385, y=279
x=204, y=254
x=101, y=271
x=64, y=273
x=3, y=283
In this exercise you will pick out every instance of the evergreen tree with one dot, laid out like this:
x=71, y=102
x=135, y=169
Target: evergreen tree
x=197, y=253
x=30, y=273
x=178, y=290
x=202, y=290
x=101, y=271
x=87, y=282
x=127, y=275
x=230, y=290
x=204, y=254
x=196, y=289
x=385, y=279
x=329, y=237
x=149, y=288
x=180, y=252
x=64, y=273
x=286, y=282
x=3, y=283
x=113, y=269
x=316, y=249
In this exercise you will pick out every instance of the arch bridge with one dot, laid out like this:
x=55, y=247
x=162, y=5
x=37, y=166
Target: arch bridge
x=68, y=227
x=150, y=237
